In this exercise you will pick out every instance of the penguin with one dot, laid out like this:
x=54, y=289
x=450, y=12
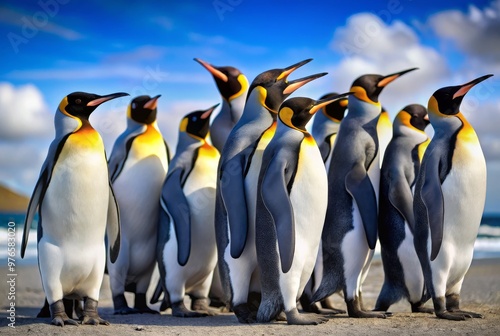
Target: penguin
x=450, y=193
x=233, y=88
x=138, y=165
x=350, y=232
x=77, y=207
x=384, y=132
x=292, y=198
x=186, y=251
x=324, y=130
x=403, y=277
x=237, y=179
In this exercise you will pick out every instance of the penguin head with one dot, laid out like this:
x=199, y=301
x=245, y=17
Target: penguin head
x=273, y=85
x=296, y=112
x=446, y=101
x=412, y=116
x=230, y=82
x=142, y=109
x=197, y=124
x=82, y=104
x=334, y=111
x=368, y=87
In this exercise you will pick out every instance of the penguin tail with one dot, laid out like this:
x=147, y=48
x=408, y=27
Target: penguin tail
x=269, y=309
x=157, y=293
x=321, y=293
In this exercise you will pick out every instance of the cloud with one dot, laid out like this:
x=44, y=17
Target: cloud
x=219, y=40
x=368, y=45
x=142, y=53
x=40, y=20
x=164, y=22
x=24, y=113
x=475, y=33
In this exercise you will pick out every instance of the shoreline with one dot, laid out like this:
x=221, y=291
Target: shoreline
x=480, y=293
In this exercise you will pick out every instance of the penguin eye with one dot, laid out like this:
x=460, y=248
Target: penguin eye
x=133, y=105
x=194, y=118
x=78, y=101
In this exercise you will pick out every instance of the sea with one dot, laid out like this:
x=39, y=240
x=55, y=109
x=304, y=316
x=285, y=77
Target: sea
x=12, y=224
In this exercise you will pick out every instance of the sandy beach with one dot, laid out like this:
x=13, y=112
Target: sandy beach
x=480, y=293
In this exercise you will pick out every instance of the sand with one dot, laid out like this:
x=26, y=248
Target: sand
x=480, y=293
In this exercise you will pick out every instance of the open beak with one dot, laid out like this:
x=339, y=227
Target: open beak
x=288, y=70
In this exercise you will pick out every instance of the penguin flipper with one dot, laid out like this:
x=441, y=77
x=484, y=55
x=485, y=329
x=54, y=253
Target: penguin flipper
x=120, y=151
x=432, y=197
x=232, y=187
x=40, y=188
x=176, y=206
x=401, y=198
x=277, y=200
x=113, y=226
x=325, y=148
x=358, y=184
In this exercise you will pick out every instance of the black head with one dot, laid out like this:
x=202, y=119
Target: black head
x=296, y=112
x=197, y=123
x=336, y=109
x=418, y=116
x=449, y=98
x=368, y=87
x=230, y=81
x=143, y=109
x=82, y=104
x=274, y=87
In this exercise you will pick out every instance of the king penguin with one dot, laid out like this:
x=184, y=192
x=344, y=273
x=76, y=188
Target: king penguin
x=403, y=277
x=325, y=127
x=77, y=208
x=237, y=179
x=350, y=231
x=450, y=193
x=187, y=252
x=138, y=165
x=292, y=198
x=233, y=88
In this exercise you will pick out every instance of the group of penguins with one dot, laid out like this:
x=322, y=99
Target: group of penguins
x=254, y=211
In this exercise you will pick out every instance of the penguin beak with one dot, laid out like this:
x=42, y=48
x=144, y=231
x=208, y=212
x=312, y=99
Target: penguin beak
x=287, y=71
x=297, y=83
x=323, y=102
x=102, y=99
x=208, y=112
x=152, y=103
x=389, y=78
x=463, y=89
x=213, y=70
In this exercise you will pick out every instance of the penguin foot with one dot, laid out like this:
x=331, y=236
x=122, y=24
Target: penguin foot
x=121, y=306
x=90, y=315
x=141, y=305
x=328, y=308
x=469, y=313
x=59, y=316
x=419, y=308
x=180, y=310
x=244, y=314
x=281, y=317
x=294, y=317
x=453, y=316
x=201, y=305
x=354, y=310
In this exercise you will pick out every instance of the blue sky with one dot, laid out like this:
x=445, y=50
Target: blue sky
x=53, y=47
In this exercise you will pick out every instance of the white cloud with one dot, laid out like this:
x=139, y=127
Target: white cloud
x=23, y=112
x=371, y=46
x=476, y=33
x=219, y=40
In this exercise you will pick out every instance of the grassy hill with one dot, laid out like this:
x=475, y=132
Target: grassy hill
x=10, y=201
